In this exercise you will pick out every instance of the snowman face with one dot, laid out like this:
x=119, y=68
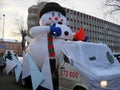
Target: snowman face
x=52, y=17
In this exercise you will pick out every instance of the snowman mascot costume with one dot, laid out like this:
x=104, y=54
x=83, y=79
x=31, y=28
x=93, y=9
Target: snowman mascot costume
x=49, y=37
x=52, y=21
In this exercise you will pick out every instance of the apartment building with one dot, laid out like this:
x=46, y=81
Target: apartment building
x=98, y=30
x=12, y=45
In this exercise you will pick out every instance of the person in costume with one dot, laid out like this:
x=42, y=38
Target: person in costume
x=49, y=37
x=2, y=62
x=52, y=21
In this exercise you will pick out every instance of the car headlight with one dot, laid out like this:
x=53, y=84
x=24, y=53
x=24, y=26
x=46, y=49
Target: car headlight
x=103, y=84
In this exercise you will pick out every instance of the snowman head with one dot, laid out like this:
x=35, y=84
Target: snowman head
x=52, y=13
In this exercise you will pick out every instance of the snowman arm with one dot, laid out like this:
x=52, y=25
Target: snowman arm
x=37, y=30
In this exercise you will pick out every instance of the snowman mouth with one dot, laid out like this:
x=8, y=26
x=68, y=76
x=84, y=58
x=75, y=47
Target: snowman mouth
x=59, y=22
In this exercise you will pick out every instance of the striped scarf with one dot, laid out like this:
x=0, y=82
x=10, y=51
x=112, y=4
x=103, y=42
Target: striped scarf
x=50, y=46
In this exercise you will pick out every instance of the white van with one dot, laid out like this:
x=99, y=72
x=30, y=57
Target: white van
x=88, y=66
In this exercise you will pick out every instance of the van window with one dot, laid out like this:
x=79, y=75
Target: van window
x=92, y=58
x=109, y=57
x=66, y=59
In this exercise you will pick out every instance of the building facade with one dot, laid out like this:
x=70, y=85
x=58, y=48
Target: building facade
x=12, y=45
x=98, y=30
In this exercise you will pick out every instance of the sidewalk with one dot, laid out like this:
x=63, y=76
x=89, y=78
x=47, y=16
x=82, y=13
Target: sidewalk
x=8, y=82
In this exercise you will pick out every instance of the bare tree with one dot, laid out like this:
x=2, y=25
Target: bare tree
x=111, y=10
x=22, y=31
x=112, y=6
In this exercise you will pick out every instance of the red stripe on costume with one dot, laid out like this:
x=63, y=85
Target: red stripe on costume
x=50, y=39
x=50, y=46
x=52, y=54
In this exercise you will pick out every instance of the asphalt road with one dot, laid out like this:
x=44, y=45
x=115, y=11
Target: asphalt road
x=8, y=82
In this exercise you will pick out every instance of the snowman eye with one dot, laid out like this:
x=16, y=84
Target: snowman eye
x=66, y=33
x=50, y=18
x=53, y=14
x=58, y=14
x=61, y=19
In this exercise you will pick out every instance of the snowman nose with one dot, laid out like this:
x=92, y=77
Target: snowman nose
x=56, y=18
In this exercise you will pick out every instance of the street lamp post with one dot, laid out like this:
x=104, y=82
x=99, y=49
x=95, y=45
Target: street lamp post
x=3, y=26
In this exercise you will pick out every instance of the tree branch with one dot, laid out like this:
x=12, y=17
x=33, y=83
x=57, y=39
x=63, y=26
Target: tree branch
x=114, y=5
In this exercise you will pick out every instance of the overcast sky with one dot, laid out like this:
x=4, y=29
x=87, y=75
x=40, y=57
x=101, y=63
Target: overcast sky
x=14, y=9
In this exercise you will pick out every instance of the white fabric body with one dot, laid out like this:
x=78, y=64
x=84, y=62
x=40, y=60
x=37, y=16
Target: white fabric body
x=26, y=67
x=9, y=65
x=18, y=68
x=38, y=47
x=46, y=72
x=36, y=76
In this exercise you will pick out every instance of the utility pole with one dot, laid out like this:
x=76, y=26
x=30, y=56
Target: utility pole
x=3, y=26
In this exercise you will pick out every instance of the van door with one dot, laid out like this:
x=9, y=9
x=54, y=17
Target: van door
x=68, y=75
